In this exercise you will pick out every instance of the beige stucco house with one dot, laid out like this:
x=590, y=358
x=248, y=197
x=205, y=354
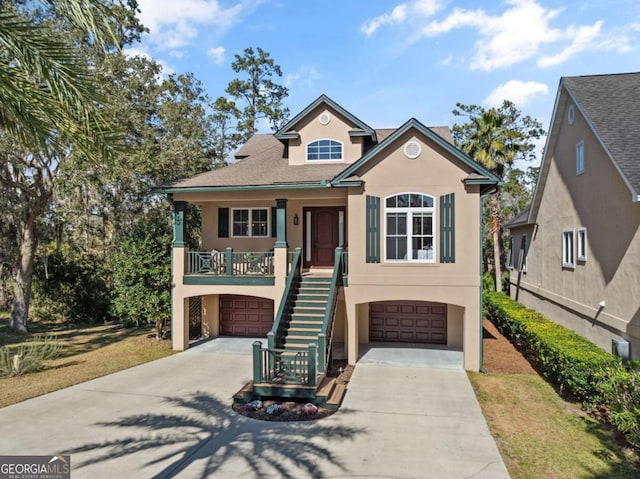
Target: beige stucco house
x=330, y=231
x=576, y=250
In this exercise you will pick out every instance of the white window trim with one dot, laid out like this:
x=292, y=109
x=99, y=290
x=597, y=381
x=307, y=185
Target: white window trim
x=251, y=209
x=579, y=169
x=568, y=262
x=581, y=244
x=408, y=209
x=306, y=151
x=510, y=253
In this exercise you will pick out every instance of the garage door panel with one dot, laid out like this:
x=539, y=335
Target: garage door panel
x=245, y=315
x=408, y=321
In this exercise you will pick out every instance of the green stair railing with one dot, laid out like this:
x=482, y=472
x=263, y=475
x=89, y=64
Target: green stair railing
x=325, y=338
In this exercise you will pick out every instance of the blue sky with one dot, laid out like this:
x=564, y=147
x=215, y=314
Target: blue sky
x=388, y=61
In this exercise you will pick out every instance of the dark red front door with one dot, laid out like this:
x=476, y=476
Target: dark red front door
x=324, y=235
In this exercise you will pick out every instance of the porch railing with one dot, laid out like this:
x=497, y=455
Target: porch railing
x=229, y=262
x=279, y=366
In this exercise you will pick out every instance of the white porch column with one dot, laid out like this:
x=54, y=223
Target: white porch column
x=352, y=332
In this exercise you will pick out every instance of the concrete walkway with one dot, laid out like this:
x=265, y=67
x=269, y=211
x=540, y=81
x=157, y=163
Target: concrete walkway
x=172, y=418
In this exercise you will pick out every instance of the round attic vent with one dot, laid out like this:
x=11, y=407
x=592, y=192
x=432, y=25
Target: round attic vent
x=571, y=114
x=324, y=118
x=412, y=149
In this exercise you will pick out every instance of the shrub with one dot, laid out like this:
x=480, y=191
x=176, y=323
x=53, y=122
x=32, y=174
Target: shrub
x=563, y=356
x=29, y=357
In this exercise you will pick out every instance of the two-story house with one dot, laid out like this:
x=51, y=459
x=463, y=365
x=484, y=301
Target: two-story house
x=331, y=231
x=576, y=250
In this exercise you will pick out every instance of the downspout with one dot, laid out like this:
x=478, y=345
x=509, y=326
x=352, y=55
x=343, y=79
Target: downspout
x=169, y=197
x=482, y=198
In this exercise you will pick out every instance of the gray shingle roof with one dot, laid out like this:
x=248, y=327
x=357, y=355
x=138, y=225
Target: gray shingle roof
x=262, y=163
x=612, y=104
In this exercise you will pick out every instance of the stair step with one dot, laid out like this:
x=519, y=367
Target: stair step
x=312, y=297
x=316, y=279
x=313, y=290
x=325, y=388
x=301, y=324
x=337, y=395
x=310, y=303
x=310, y=332
x=307, y=317
x=297, y=344
x=300, y=338
x=307, y=310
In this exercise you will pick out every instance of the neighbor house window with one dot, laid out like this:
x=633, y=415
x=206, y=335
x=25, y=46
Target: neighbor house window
x=582, y=244
x=522, y=255
x=409, y=224
x=568, y=256
x=580, y=158
x=324, y=150
x=250, y=222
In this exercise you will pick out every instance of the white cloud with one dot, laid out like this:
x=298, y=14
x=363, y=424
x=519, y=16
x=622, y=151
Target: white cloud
x=217, y=54
x=400, y=14
x=308, y=75
x=174, y=24
x=524, y=30
x=516, y=91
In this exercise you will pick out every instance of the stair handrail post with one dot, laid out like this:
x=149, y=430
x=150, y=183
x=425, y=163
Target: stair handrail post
x=229, y=260
x=311, y=364
x=257, y=362
x=271, y=340
x=322, y=351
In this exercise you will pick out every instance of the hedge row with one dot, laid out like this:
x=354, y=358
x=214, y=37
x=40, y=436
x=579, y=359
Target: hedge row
x=565, y=358
x=575, y=364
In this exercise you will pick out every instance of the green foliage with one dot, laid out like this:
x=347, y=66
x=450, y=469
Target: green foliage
x=620, y=391
x=141, y=269
x=261, y=96
x=29, y=357
x=565, y=358
x=71, y=286
x=573, y=363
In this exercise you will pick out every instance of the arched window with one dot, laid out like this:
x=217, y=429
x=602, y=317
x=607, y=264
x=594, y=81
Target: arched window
x=324, y=150
x=409, y=225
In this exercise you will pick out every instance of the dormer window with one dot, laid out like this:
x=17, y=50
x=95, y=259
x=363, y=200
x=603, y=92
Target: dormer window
x=324, y=150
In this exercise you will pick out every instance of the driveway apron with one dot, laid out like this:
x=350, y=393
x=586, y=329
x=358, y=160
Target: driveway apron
x=173, y=418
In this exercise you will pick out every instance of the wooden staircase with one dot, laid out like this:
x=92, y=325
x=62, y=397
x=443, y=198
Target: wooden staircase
x=305, y=320
x=294, y=362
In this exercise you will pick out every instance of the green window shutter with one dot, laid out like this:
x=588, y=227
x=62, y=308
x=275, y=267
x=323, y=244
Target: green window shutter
x=447, y=228
x=373, y=229
x=223, y=222
x=274, y=223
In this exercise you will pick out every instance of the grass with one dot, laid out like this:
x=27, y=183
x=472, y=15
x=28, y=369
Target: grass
x=541, y=435
x=88, y=352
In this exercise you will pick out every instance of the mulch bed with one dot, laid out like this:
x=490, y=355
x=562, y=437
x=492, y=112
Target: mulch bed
x=500, y=355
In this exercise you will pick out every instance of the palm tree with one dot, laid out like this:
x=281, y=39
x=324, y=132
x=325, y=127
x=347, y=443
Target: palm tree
x=494, y=138
x=47, y=97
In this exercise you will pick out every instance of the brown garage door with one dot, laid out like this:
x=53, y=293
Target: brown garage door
x=408, y=321
x=245, y=315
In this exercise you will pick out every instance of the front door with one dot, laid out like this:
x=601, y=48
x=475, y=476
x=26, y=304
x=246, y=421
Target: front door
x=323, y=234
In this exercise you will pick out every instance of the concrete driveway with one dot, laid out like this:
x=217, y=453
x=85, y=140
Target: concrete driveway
x=172, y=418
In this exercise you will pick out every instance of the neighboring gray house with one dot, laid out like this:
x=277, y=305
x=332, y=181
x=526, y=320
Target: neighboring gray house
x=576, y=250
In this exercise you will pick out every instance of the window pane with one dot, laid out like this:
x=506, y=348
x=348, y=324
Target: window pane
x=391, y=202
x=259, y=215
x=240, y=229
x=402, y=223
x=240, y=215
x=415, y=201
x=403, y=201
x=427, y=201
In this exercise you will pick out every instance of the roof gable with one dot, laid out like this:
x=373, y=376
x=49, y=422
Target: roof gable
x=610, y=105
x=482, y=175
x=361, y=128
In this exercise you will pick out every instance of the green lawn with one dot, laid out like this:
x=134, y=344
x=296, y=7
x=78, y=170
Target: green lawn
x=88, y=352
x=540, y=435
